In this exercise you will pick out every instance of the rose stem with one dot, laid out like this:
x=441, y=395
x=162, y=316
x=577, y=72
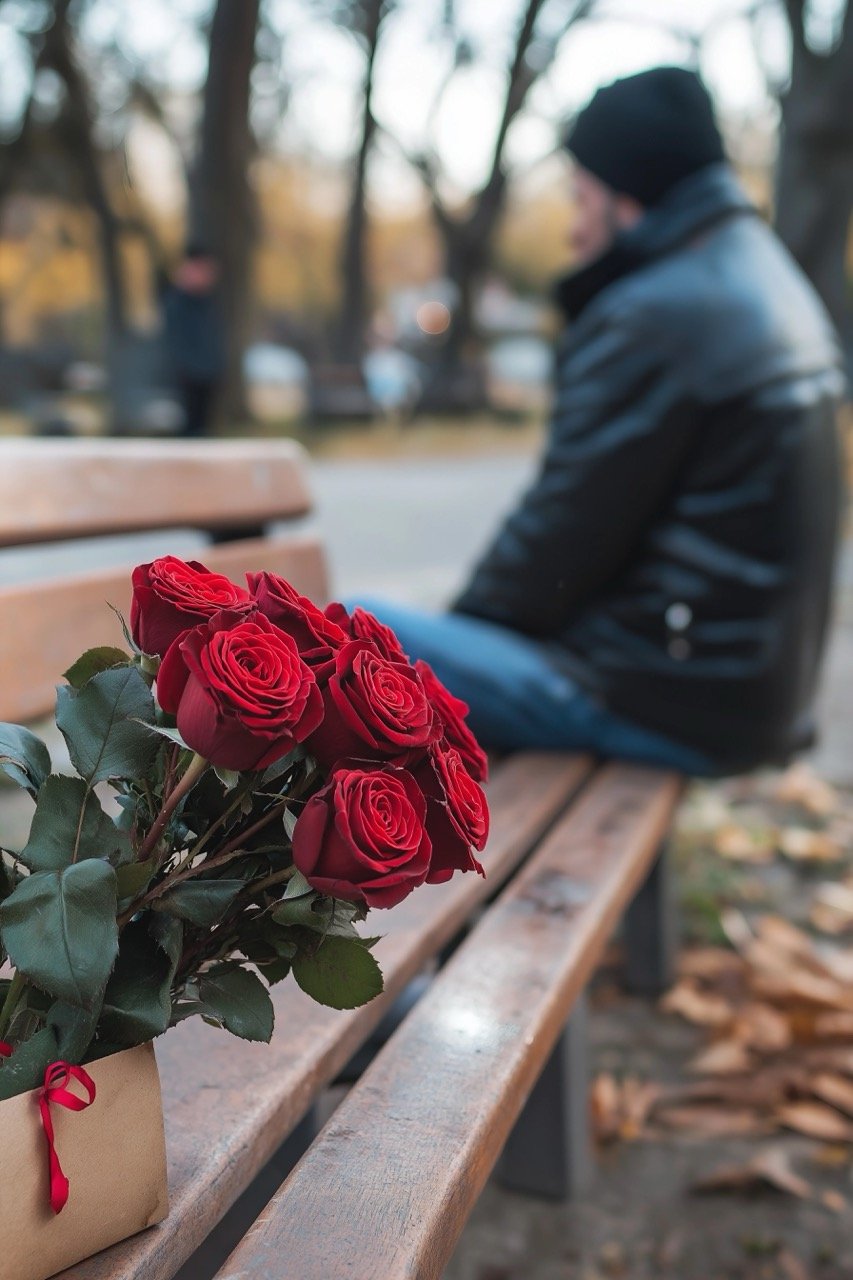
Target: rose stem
x=193, y=772
x=10, y=1004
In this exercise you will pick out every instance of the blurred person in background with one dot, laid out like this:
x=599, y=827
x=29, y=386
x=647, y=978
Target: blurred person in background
x=662, y=591
x=194, y=337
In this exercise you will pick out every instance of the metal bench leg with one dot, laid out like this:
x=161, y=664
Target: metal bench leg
x=548, y=1151
x=651, y=931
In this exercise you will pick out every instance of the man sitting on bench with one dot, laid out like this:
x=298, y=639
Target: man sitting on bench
x=661, y=593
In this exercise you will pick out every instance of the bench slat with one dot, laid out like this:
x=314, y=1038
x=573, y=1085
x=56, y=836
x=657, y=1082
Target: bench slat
x=46, y=625
x=52, y=489
x=386, y=1188
x=229, y=1105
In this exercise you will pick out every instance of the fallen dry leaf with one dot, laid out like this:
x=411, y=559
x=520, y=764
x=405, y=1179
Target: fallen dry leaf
x=801, y=786
x=816, y=1121
x=792, y=1267
x=738, y=844
x=786, y=937
x=710, y=963
x=768, y=1169
x=762, y=1027
x=715, y=1121
x=833, y=1200
x=724, y=1058
x=833, y=1026
x=694, y=1005
x=832, y=909
x=638, y=1099
x=605, y=1104
x=801, y=844
x=832, y=1155
x=835, y=1090
x=788, y=984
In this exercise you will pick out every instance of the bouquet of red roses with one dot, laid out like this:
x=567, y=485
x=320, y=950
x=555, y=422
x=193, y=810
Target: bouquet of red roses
x=276, y=770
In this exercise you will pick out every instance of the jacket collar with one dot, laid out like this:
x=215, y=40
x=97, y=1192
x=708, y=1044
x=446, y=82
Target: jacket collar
x=693, y=205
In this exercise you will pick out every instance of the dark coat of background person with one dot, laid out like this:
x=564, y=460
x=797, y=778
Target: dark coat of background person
x=194, y=342
x=676, y=549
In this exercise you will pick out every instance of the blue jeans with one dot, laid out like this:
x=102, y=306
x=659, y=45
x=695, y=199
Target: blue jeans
x=518, y=697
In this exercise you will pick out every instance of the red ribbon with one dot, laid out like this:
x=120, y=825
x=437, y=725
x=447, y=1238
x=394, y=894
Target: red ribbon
x=56, y=1079
x=57, y=1076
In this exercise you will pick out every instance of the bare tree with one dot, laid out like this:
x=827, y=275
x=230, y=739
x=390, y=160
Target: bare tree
x=365, y=19
x=223, y=215
x=468, y=234
x=814, y=180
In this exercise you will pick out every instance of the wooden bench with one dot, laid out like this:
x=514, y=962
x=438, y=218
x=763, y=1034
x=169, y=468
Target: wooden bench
x=487, y=1069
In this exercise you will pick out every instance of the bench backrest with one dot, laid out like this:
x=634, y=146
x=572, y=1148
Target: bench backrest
x=58, y=491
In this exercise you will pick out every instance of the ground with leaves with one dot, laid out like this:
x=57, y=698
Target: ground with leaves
x=724, y=1115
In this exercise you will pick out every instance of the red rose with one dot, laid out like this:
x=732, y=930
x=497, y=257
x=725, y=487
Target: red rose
x=362, y=837
x=457, y=813
x=171, y=596
x=363, y=625
x=452, y=711
x=317, y=636
x=375, y=709
x=242, y=695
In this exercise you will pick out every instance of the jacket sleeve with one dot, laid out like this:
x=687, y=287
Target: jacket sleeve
x=620, y=429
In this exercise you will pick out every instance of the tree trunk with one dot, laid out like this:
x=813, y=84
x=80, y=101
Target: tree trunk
x=814, y=182
x=222, y=207
x=468, y=240
x=75, y=131
x=349, y=338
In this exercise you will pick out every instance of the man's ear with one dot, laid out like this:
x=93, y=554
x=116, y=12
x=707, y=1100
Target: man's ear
x=628, y=211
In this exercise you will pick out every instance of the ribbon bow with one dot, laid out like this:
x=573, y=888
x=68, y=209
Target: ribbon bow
x=56, y=1079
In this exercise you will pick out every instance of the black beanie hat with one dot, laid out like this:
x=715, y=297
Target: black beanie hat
x=643, y=134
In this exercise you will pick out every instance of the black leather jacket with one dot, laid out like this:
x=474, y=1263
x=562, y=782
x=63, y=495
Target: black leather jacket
x=676, y=550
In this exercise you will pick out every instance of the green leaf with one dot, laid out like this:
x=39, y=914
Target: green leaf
x=25, y=1069
x=23, y=757
x=275, y=971
x=290, y=819
x=93, y=661
x=69, y=825
x=138, y=999
x=168, y=933
x=133, y=877
x=309, y=910
x=341, y=973
x=201, y=902
x=280, y=767
x=228, y=777
x=297, y=886
x=236, y=999
x=100, y=723
x=125, y=629
x=59, y=928
x=166, y=731
x=74, y=1029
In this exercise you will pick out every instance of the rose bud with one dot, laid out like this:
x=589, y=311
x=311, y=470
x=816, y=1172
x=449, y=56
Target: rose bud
x=457, y=813
x=375, y=709
x=171, y=596
x=362, y=837
x=361, y=624
x=242, y=695
x=317, y=637
x=452, y=711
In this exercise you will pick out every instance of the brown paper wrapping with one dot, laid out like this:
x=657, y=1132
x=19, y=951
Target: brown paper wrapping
x=113, y=1154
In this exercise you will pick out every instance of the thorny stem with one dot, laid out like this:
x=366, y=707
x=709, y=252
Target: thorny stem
x=193, y=772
